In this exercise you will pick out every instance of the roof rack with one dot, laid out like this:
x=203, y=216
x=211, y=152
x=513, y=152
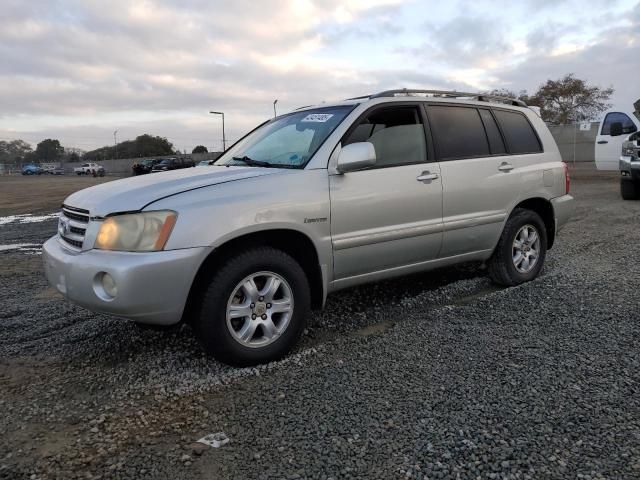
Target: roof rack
x=481, y=97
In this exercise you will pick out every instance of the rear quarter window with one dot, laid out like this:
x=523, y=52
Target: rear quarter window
x=518, y=132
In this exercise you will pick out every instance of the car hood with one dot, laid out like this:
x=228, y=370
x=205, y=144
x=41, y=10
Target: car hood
x=134, y=193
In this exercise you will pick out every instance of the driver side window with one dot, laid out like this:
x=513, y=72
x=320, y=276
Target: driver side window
x=627, y=124
x=397, y=134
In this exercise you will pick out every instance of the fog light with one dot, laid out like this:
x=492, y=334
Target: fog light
x=109, y=285
x=105, y=287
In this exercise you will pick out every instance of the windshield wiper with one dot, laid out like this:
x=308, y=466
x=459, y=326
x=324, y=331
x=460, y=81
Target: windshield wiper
x=251, y=162
x=260, y=163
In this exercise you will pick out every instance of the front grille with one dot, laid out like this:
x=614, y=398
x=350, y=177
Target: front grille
x=71, y=241
x=75, y=214
x=73, y=225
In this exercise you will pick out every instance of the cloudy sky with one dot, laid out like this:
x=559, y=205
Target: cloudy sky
x=79, y=69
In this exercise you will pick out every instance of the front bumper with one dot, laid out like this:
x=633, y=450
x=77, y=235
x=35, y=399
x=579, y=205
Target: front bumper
x=563, y=208
x=152, y=286
x=630, y=167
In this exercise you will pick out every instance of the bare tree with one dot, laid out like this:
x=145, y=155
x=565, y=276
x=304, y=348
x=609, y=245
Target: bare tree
x=570, y=100
x=505, y=92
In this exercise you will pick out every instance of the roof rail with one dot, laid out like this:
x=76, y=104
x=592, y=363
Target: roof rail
x=481, y=97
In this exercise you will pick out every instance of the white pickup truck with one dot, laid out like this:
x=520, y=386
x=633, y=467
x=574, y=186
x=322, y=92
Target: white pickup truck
x=615, y=128
x=90, y=169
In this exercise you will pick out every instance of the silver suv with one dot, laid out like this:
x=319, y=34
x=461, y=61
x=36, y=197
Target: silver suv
x=319, y=199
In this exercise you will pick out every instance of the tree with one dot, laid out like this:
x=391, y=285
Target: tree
x=73, y=157
x=14, y=151
x=143, y=146
x=200, y=149
x=570, y=100
x=49, y=150
x=505, y=92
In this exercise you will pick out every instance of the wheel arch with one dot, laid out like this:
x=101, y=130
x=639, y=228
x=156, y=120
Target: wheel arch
x=292, y=242
x=544, y=208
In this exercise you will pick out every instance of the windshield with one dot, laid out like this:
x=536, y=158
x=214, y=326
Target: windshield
x=288, y=141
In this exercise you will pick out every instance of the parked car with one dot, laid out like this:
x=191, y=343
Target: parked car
x=144, y=166
x=630, y=168
x=614, y=130
x=31, y=169
x=56, y=171
x=313, y=201
x=90, y=169
x=172, y=164
x=204, y=163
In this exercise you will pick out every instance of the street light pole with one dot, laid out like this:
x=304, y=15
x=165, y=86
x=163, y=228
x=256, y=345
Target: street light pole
x=115, y=142
x=224, y=140
x=274, y=108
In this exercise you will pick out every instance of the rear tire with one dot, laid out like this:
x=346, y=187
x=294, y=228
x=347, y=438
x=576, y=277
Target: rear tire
x=228, y=308
x=521, y=250
x=629, y=189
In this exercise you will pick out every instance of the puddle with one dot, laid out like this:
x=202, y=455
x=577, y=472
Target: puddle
x=476, y=295
x=374, y=329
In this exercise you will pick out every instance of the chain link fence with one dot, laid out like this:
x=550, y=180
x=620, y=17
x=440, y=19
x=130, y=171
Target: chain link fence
x=576, y=141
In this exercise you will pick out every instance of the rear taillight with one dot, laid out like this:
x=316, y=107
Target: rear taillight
x=567, y=180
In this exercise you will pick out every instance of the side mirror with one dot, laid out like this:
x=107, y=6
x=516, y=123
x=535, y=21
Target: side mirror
x=356, y=156
x=616, y=129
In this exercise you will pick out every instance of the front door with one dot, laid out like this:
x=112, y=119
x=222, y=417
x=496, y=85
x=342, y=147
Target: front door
x=609, y=148
x=389, y=215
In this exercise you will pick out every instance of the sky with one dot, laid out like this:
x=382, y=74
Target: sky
x=78, y=70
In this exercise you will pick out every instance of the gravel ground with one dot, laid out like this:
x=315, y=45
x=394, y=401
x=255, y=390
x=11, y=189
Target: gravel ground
x=439, y=375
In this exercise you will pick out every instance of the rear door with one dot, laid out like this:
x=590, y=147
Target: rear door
x=482, y=154
x=609, y=148
x=389, y=215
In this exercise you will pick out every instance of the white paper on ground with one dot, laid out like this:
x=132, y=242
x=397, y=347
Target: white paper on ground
x=215, y=440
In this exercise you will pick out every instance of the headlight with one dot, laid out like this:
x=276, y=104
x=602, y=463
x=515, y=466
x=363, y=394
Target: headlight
x=136, y=232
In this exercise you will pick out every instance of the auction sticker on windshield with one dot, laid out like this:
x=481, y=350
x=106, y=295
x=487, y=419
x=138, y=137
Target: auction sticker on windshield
x=317, y=117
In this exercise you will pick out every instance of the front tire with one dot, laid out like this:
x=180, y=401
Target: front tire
x=629, y=189
x=521, y=250
x=254, y=309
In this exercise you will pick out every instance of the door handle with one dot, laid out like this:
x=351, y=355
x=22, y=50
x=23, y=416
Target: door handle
x=505, y=167
x=603, y=141
x=427, y=176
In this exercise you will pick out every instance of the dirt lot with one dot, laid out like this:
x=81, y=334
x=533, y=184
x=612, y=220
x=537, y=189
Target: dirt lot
x=41, y=193
x=438, y=375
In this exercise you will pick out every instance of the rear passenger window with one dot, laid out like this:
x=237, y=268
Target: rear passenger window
x=496, y=144
x=458, y=132
x=518, y=132
x=397, y=134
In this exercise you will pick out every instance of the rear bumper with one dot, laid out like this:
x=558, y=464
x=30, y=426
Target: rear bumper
x=152, y=287
x=563, y=208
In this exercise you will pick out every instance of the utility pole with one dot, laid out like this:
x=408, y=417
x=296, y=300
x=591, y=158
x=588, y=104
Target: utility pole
x=115, y=142
x=224, y=140
x=274, y=108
